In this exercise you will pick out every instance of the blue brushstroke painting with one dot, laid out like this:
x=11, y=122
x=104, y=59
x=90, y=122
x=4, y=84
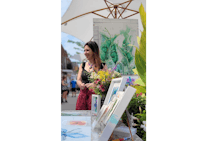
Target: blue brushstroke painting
x=65, y=134
x=95, y=104
x=115, y=89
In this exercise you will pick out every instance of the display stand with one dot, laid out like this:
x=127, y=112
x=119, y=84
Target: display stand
x=111, y=137
x=129, y=129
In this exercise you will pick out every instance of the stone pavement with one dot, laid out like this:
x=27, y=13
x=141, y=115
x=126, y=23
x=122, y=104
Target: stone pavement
x=71, y=102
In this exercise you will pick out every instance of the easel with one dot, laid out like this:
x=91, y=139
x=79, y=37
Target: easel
x=111, y=136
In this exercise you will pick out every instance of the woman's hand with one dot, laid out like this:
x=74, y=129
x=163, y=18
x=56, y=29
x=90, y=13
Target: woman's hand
x=82, y=86
x=88, y=85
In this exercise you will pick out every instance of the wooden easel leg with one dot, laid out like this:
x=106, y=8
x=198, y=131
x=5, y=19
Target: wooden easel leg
x=111, y=137
x=130, y=129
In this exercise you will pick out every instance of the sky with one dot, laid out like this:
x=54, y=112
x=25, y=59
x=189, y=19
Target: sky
x=65, y=37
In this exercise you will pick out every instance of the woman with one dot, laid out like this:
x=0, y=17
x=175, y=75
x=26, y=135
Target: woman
x=91, y=51
x=64, y=88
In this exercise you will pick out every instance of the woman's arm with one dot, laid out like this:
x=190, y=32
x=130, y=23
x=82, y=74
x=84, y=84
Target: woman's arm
x=64, y=83
x=88, y=85
x=79, y=80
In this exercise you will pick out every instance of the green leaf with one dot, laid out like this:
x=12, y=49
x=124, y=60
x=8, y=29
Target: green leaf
x=140, y=65
x=142, y=48
x=140, y=89
x=80, y=44
x=142, y=16
x=139, y=81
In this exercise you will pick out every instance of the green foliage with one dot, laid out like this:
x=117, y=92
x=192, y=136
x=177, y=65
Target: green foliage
x=69, y=55
x=140, y=62
x=79, y=44
x=140, y=89
x=140, y=54
x=141, y=66
x=133, y=107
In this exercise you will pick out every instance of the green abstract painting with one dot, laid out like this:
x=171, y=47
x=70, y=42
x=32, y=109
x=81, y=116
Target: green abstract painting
x=113, y=52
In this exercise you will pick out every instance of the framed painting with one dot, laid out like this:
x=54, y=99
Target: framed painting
x=115, y=112
x=117, y=84
x=95, y=105
x=101, y=114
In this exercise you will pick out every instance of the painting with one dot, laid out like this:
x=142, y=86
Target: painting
x=115, y=109
x=75, y=128
x=101, y=113
x=113, y=104
x=116, y=38
x=117, y=84
x=79, y=123
x=95, y=104
x=72, y=134
x=114, y=91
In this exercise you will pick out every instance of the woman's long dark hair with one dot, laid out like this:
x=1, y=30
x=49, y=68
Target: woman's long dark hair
x=64, y=77
x=95, y=48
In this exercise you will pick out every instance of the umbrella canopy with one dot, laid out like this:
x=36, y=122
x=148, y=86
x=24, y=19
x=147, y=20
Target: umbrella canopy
x=78, y=19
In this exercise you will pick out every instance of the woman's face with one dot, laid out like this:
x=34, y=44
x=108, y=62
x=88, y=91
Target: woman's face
x=88, y=52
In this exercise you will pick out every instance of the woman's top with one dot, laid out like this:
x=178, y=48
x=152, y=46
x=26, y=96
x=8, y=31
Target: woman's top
x=63, y=87
x=85, y=74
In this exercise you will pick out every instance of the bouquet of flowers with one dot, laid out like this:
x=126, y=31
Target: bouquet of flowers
x=102, y=80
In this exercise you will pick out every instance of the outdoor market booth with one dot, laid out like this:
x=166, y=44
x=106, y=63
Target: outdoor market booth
x=118, y=112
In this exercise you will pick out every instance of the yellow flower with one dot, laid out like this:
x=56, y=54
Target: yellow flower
x=106, y=74
x=143, y=95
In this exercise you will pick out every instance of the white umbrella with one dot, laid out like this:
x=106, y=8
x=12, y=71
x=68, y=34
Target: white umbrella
x=78, y=19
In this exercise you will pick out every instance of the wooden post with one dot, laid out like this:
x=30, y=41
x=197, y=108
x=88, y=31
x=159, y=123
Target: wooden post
x=115, y=7
x=111, y=137
x=129, y=129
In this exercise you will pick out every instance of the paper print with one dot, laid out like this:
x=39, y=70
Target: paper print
x=114, y=119
x=75, y=128
x=114, y=92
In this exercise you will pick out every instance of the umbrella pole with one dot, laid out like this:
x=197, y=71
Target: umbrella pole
x=115, y=6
